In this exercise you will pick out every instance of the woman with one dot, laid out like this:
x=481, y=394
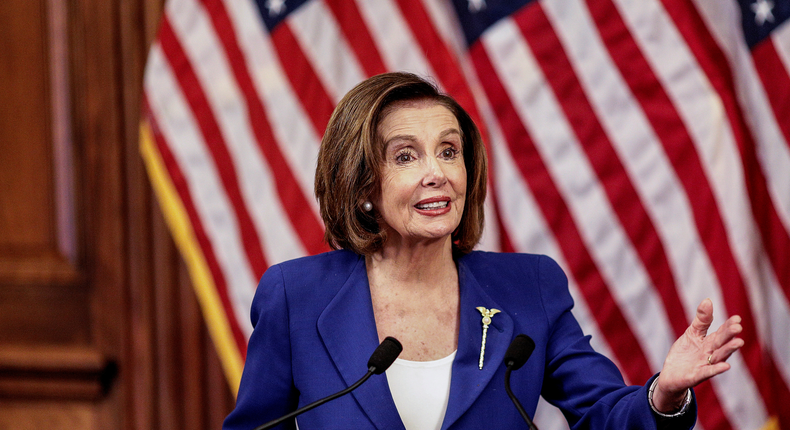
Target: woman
x=401, y=181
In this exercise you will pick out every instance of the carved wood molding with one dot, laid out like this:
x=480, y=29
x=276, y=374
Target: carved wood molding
x=53, y=372
x=45, y=268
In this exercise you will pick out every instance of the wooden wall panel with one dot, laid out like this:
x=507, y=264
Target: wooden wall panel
x=27, y=214
x=51, y=415
x=34, y=266
x=99, y=325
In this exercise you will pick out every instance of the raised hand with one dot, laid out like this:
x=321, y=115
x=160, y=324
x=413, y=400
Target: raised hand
x=696, y=357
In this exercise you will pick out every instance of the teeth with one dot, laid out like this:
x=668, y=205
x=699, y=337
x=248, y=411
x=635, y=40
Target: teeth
x=434, y=205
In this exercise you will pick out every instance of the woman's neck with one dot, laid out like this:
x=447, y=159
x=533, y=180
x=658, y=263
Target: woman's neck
x=415, y=299
x=421, y=265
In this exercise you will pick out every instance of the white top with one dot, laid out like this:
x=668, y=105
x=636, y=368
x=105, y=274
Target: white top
x=421, y=390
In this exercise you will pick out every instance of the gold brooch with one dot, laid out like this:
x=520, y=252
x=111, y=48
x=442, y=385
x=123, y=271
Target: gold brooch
x=487, y=314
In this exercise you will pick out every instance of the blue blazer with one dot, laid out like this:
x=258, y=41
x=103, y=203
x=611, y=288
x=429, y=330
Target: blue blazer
x=314, y=331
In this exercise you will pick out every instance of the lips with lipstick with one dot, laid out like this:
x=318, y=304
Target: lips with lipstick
x=435, y=206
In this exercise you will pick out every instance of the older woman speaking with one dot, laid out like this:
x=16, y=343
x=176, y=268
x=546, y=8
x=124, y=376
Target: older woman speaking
x=401, y=181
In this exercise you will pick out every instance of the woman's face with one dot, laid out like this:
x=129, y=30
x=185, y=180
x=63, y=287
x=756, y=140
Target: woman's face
x=423, y=185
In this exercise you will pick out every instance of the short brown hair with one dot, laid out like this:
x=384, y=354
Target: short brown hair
x=351, y=153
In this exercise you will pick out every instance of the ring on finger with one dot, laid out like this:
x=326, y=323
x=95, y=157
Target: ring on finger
x=710, y=357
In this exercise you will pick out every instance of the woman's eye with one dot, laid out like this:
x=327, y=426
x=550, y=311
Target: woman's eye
x=403, y=158
x=449, y=153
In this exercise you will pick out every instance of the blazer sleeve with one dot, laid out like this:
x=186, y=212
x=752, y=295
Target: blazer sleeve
x=585, y=385
x=267, y=390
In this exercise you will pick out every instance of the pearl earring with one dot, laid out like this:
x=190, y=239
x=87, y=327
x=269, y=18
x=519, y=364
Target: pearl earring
x=367, y=206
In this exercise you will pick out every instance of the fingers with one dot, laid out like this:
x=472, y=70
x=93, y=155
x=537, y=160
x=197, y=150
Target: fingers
x=713, y=370
x=723, y=353
x=696, y=356
x=726, y=332
x=717, y=360
x=725, y=341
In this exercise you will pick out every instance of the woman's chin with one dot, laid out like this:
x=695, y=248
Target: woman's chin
x=421, y=234
x=429, y=236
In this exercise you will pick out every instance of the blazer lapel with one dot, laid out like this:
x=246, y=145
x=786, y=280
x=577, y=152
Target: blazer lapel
x=348, y=329
x=468, y=380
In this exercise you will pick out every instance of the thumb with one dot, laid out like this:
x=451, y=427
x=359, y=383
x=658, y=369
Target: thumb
x=704, y=317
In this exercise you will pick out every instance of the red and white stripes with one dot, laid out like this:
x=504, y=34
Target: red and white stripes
x=638, y=142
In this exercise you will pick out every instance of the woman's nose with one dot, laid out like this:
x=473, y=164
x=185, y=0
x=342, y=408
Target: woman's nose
x=434, y=174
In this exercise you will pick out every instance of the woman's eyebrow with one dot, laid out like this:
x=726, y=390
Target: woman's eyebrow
x=413, y=138
x=450, y=131
x=406, y=138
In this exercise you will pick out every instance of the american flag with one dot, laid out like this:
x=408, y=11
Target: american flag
x=644, y=144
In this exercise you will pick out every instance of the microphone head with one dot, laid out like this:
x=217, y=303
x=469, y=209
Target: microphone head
x=383, y=357
x=519, y=351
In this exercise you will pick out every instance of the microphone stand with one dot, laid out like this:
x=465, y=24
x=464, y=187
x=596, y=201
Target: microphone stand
x=319, y=402
x=381, y=359
x=516, y=402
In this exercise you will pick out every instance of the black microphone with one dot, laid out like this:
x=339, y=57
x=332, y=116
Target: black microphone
x=517, y=354
x=381, y=359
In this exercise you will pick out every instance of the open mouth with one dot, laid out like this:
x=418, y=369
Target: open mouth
x=432, y=205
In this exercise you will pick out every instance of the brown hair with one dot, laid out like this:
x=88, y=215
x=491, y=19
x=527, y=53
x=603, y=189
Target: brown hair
x=351, y=154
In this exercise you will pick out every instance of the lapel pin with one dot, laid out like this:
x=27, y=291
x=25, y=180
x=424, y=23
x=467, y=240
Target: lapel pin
x=487, y=314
